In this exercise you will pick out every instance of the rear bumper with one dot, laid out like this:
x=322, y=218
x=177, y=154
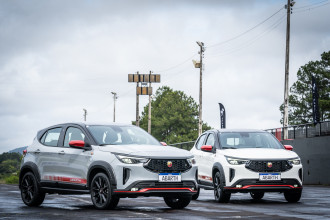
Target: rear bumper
x=254, y=185
x=151, y=188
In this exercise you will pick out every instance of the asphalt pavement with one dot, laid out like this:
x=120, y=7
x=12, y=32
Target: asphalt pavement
x=315, y=204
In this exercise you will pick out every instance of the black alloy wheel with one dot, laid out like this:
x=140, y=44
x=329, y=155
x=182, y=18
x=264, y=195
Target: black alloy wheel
x=219, y=194
x=101, y=192
x=177, y=202
x=30, y=191
x=257, y=195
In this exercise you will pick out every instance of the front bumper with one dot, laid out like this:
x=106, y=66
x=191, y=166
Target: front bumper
x=154, y=188
x=255, y=185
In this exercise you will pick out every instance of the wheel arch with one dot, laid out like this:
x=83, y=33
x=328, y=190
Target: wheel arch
x=218, y=167
x=29, y=167
x=101, y=166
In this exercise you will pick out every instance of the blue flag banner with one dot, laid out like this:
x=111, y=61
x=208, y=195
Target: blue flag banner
x=222, y=116
x=316, y=112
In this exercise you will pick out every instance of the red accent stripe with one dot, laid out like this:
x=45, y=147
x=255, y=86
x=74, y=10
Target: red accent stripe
x=248, y=186
x=65, y=179
x=156, y=189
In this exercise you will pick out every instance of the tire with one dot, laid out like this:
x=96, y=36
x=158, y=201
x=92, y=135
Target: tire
x=30, y=190
x=292, y=196
x=101, y=192
x=177, y=202
x=195, y=197
x=219, y=194
x=257, y=195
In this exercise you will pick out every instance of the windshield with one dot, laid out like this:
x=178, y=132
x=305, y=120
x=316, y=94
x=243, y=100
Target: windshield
x=121, y=135
x=236, y=140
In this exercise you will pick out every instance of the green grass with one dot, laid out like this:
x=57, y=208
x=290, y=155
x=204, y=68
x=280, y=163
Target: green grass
x=13, y=179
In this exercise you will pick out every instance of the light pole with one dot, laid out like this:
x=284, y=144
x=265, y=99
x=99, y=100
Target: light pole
x=85, y=114
x=114, y=105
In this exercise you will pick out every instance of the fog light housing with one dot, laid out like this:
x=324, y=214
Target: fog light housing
x=238, y=186
x=134, y=189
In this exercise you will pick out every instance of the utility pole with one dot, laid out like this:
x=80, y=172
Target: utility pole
x=286, y=80
x=200, y=66
x=144, y=89
x=114, y=105
x=149, y=110
x=85, y=114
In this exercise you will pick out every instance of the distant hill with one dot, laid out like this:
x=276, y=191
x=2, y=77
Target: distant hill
x=18, y=150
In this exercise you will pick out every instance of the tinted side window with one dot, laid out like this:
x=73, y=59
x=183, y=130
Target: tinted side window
x=73, y=133
x=200, y=142
x=50, y=138
x=210, y=140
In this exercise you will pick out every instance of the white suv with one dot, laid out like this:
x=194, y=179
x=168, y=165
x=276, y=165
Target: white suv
x=246, y=161
x=109, y=162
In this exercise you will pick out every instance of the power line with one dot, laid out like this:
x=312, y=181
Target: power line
x=316, y=3
x=312, y=8
x=247, y=31
x=250, y=41
x=180, y=64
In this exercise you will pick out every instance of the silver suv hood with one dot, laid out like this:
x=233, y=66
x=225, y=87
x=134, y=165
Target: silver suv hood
x=148, y=151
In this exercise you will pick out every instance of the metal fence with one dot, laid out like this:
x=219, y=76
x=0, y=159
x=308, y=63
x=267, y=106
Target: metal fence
x=184, y=145
x=303, y=130
x=296, y=131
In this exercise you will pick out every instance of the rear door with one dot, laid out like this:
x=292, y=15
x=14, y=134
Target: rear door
x=47, y=158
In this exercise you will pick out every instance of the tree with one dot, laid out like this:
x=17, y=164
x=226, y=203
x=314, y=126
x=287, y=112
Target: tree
x=300, y=99
x=174, y=116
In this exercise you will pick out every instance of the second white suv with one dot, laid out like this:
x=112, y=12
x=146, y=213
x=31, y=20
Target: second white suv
x=246, y=161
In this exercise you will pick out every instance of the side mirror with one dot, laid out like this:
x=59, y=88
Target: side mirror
x=207, y=148
x=77, y=144
x=163, y=143
x=288, y=147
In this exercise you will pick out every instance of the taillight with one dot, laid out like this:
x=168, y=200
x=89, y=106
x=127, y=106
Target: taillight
x=24, y=152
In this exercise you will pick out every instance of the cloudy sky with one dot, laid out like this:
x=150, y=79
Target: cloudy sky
x=58, y=57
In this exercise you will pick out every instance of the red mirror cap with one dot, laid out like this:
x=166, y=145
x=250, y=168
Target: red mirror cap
x=206, y=148
x=288, y=147
x=75, y=143
x=163, y=143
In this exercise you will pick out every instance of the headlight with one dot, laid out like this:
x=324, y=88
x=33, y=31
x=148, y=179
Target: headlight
x=295, y=161
x=191, y=161
x=131, y=160
x=236, y=161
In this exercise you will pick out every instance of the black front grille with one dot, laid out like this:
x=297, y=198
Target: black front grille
x=268, y=165
x=167, y=166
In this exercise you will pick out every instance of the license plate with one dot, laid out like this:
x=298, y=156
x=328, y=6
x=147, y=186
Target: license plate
x=269, y=176
x=169, y=177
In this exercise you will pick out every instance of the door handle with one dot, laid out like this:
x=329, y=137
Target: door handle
x=37, y=151
x=61, y=152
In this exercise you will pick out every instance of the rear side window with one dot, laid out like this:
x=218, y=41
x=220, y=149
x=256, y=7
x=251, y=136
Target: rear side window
x=200, y=142
x=50, y=138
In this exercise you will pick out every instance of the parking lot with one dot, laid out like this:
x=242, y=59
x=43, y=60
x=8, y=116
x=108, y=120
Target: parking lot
x=315, y=204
